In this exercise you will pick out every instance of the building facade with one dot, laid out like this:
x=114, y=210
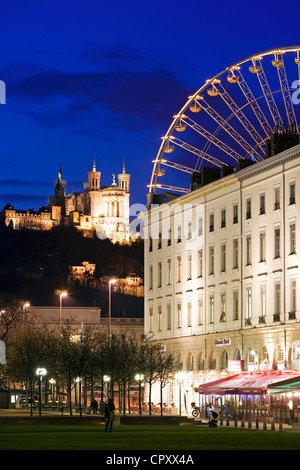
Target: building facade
x=221, y=272
x=87, y=317
x=101, y=209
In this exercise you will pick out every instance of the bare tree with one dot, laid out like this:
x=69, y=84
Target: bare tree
x=165, y=368
x=12, y=315
x=150, y=358
x=28, y=350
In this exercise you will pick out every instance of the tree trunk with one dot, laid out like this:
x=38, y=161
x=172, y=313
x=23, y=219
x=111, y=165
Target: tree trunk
x=124, y=398
x=150, y=390
x=128, y=396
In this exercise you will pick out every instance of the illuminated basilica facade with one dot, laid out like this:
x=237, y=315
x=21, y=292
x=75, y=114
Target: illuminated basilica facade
x=101, y=209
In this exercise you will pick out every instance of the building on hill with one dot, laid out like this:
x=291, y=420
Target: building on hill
x=84, y=274
x=104, y=210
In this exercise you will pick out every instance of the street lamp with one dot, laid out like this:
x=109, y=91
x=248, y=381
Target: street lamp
x=106, y=379
x=139, y=378
x=40, y=371
x=61, y=293
x=52, y=382
x=78, y=383
x=26, y=305
x=110, y=282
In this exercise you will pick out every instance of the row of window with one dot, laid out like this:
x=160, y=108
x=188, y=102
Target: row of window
x=211, y=228
x=223, y=256
x=253, y=357
x=222, y=314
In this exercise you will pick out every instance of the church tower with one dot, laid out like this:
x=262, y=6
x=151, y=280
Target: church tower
x=58, y=200
x=124, y=179
x=94, y=190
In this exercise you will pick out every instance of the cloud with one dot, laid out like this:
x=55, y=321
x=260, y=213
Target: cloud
x=14, y=197
x=135, y=98
x=15, y=182
x=18, y=182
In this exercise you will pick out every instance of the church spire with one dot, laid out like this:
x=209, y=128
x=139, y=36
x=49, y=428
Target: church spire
x=94, y=165
x=124, y=178
x=59, y=173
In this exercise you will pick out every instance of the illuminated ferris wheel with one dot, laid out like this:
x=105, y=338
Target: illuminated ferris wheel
x=230, y=118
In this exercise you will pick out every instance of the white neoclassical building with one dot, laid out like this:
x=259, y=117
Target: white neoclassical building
x=221, y=271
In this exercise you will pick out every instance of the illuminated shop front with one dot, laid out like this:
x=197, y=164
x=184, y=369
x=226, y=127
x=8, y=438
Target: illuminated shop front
x=272, y=395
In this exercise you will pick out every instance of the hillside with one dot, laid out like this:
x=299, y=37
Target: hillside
x=33, y=264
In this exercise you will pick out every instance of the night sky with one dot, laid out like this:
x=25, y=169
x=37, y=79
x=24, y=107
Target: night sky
x=106, y=77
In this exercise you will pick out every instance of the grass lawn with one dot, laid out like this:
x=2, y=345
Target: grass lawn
x=74, y=437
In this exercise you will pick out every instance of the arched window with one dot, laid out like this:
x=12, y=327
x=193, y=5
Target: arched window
x=200, y=362
x=224, y=359
x=190, y=362
x=278, y=357
x=237, y=355
x=179, y=362
x=212, y=361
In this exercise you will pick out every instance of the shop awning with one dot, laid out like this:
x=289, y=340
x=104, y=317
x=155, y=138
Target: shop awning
x=248, y=383
x=287, y=386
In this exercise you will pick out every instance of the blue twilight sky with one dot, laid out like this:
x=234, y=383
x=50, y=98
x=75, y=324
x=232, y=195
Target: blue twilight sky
x=106, y=77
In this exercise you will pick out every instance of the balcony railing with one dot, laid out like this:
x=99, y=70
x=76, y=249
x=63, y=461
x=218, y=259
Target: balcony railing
x=276, y=317
x=292, y=315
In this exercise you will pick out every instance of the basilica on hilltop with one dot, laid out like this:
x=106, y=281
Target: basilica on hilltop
x=104, y=210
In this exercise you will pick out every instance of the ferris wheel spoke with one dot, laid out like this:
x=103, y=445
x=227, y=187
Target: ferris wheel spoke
x=264, y=84
x=198, y=152
x=231, y=131
x=176, y=166
x=211, y=138
x=236, y=110
x=245, y=88
x=168, y=188
x=289, y=107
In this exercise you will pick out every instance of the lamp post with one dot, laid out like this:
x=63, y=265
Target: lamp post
x=106, y=379
x=25, y=306
x=61, y=293
x=52, y=382
x=78, y=403
x=139, y=378
x=110, y=282
x=40, y=371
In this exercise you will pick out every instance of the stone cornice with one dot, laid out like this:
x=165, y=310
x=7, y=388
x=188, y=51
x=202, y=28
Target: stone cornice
x=269, y=163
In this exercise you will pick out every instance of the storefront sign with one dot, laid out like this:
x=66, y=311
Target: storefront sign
x=235, y=365
x=222, y=341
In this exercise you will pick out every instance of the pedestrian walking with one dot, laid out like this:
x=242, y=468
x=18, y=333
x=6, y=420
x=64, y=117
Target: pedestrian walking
x=109, y=415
